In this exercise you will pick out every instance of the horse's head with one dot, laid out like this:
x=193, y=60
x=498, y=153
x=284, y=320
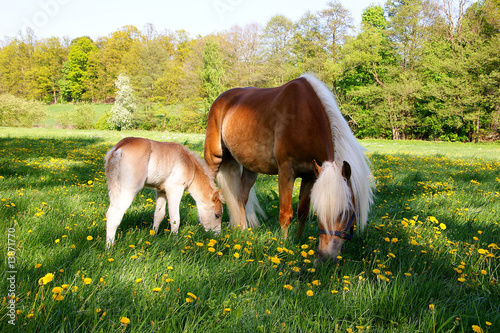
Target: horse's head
x=210, y=215
x=335, y=207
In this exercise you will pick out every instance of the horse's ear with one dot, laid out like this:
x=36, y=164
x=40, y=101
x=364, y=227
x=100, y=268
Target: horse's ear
x=346, y=170
x=316, y=168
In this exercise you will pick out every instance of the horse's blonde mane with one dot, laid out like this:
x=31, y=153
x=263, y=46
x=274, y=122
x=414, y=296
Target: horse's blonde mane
x=204, y=167
x=347, y=148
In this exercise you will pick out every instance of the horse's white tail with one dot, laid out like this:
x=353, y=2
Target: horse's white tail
x=229, y=179
x=347, y=148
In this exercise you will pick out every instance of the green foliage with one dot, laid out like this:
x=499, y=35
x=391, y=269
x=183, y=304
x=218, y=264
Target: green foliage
x=18, y=112
x=415, y=69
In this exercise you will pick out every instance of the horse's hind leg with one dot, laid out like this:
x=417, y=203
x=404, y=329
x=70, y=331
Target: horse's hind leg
x=304, y=203
x=161, y=202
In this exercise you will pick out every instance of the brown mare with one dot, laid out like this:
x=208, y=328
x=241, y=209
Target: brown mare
x=295, y=131
x=169, y=168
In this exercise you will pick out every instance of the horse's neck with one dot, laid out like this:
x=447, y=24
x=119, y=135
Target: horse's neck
x=200, y=187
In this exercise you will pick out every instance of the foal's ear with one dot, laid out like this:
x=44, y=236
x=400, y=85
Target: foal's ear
x=316, y=168
x=217, y=197
x=346, y=170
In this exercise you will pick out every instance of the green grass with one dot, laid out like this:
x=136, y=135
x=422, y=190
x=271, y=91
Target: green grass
x=432, y=239
x=56, y=111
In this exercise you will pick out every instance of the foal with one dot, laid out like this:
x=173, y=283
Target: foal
x=169, y=168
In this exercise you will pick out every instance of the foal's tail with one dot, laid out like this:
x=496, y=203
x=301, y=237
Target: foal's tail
x=229, y=179
x=113, y=174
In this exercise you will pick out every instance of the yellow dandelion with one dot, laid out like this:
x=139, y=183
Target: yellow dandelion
x=152, y=232
x=57, y=290
x=111, y=259
x=288, y=287
x=124, y=321
x=236, y=255
x=133, y=257
x=58, y=297
x=193, y=296
x=476, y=328
x=304, y=247
x=65, y=286
x=316, y=283
x=275, y=260
x=46, y=279
x=334, y=292
x=310, y=293
x=376, y=271
x=442, y=226
x=74, y=289
x=461, y=279
x=432, y=307
x=189, y=300
x=57, y=241
x=169, y=280
x=237, y=247
x=211, y=249
x=199, y=244
x=139, y=280
x=156, y=289
x=30, y=315
x=87, y=280
x=89, y=238
x=38, y=265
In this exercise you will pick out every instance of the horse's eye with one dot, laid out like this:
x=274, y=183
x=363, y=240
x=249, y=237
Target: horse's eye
x=218, y=216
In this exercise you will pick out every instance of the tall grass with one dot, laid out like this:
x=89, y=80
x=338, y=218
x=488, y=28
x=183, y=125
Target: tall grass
x=428, y=260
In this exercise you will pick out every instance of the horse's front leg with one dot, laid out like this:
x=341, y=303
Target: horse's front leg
x=285, y=185
x=304, y=202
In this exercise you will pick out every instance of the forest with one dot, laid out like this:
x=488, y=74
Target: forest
x=413, y=69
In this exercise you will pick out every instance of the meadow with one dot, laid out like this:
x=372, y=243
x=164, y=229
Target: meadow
x=428, y=260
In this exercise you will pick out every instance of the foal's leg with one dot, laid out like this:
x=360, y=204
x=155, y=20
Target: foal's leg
x=119, y=203
x=304, y=202
x=161, y=202
x=285, y=185
x=174, y=196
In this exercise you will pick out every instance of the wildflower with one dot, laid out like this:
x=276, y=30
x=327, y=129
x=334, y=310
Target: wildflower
x=433, y=219
x=199, y=244
x=111, y=259
x=442, y=226
x=236, y=255
x=211, y=249
x=58, y=297
x=287, y=286
x=376, y=271
x=268, y=312
x=65, y=286
x=133, y=257
x=30, y=315
x=152, y=232
x=74, y=289
x=304, y=254
x=304, y=247
x=316, y=282
x=334, y=292
x=138, y=280
x=38, y=265
x=169, y=280
x=170, y=268
x=87, y=280
x=156, y=289
x=124, y=321
x=309, y=293
x=193, y=296
x=275, y=260
x=237, y=247
x=461, y=279
x=56, y=241
x=89, y=238
x=226, y=310
x=432, y=307
x=57, y=290
x=46, y=279
x=476, y=328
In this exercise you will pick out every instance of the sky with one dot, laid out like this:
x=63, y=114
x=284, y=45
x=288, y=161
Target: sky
x=99, y=18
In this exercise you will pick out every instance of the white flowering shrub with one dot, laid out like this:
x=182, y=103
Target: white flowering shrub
x=121, y=112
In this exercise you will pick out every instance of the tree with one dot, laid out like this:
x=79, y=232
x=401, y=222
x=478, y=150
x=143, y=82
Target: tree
x=211, y=74
x=76, y=70
x=124, y=107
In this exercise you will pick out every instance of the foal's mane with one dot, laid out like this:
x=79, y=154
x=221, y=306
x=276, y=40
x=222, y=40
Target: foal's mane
x=204, y=167
x=347, y=148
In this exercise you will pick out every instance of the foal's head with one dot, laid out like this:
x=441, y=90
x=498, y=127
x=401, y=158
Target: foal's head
x=335, y=228
x=210, y=214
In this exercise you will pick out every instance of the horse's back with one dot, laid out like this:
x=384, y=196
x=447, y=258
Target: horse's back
x=264, y=127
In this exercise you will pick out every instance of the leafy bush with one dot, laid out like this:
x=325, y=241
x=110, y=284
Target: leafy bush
x=83, y=116
x=18, y=112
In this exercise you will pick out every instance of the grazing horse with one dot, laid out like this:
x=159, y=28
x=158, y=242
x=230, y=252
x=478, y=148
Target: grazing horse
x=295, y=131
x=169, y=168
